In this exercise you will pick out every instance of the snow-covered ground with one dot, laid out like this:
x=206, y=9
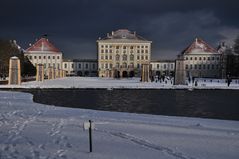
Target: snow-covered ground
x=34, y=131
x=134, y=83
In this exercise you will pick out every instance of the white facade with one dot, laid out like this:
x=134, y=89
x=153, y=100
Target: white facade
x=80, y=67
x=43, y=52
x=122, y=53
x=163, y=67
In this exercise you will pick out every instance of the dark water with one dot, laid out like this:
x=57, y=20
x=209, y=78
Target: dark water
x=219, y=104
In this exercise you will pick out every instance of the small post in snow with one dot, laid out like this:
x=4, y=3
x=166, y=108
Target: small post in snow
x=89, y=125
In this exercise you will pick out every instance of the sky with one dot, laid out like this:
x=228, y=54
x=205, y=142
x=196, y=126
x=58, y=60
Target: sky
x=73, y=26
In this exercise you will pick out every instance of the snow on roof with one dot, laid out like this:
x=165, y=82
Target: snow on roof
x=123, y=34
x=199, y=46
x=43, y=45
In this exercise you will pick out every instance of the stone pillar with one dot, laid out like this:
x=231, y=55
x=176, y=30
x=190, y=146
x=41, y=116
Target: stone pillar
x=180, y=74
x=50, y=73
x=145, y=73
x=14, y=71
x=40, y=73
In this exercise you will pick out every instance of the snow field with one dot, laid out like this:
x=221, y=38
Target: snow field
x=31, y=130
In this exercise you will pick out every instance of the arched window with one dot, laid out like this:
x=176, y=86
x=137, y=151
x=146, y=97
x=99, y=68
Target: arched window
x=117, y=57
x=117, y=65
x=124, y=57
x=131, y=57
x=124, y=65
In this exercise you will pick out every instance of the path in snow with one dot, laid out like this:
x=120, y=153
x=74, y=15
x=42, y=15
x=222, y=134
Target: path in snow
x=29, y=130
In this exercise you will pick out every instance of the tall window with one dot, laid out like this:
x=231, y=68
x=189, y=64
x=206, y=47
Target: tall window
x=124, y=65
x=79, y=66
x=65, y=65
x=131, y=57
x=117, y=57
x=86, y=66
x=124, y=57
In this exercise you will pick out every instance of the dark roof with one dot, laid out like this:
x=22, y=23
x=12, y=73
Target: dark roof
x=123, y=34
x=43, y=45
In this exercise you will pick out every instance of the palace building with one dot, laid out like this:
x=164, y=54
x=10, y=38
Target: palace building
x=198, y=60
x=44, y=52
x=121, y=54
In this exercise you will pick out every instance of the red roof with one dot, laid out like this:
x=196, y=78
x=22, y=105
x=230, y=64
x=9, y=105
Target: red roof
x=201, y=45
x=43, y=45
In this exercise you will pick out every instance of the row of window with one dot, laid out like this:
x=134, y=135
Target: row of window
x=117, y=65
x=125, y=47
x=125, y=57
x=203, y=58
x=202, y=67
x=43, y=57
x=124, y=51
x=51, y=65
x=165, y=66
x=80, y=66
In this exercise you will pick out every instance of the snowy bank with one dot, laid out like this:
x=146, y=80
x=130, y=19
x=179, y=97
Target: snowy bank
x=31, y=130
x=108, y=83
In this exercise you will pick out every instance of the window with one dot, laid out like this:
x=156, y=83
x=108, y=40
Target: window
x=111, y=51
x=171, y=66
x=110, y=57
x=137, y=57
x=30, y=57
x=102, y=57
x=44, y=65
x=111, y=65
x=93, y=66
x=53, y=57
x=117, y=65
x=102, y=65
x=79, y=66
x=195, y=67
x=124, y=57
x=208, y=58
x=138, y=47
x=218, y=58
x=138, y=51
x=146, y=51
x=86, y=65
x=58, y=57
x=124, y=47
x=44, y=57
x=186, y=58
x=138, y=65
x=117, y=47
x=186, y=67
x=39, y=57
x=106, y=46
x=35, y=57
x=124, y=65
x=142, y=57
x=204, y=67
x=212, y=58
x=131, y=65
x=72, y=65
x=117, y=57
x=102, y=51
x=191, y=66
x=102, y=46
x=106, y=51
x=212, y=67
x=199, y=67
x=142, y=51
x=157, y=66
x=164, y=66
x=110, y=46
x=146, y=46
x=191, y=58
x=49, y=57
x=106, y=57
x=142, y=46
x=200, y=58
x=131, y=57
x=131, y=47
x=204, y=58
x=208, y=67
x=146, y=57
x=195, y=58
x=65, y=65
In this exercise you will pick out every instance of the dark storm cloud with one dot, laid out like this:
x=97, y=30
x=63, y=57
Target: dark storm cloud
x=75, y=25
